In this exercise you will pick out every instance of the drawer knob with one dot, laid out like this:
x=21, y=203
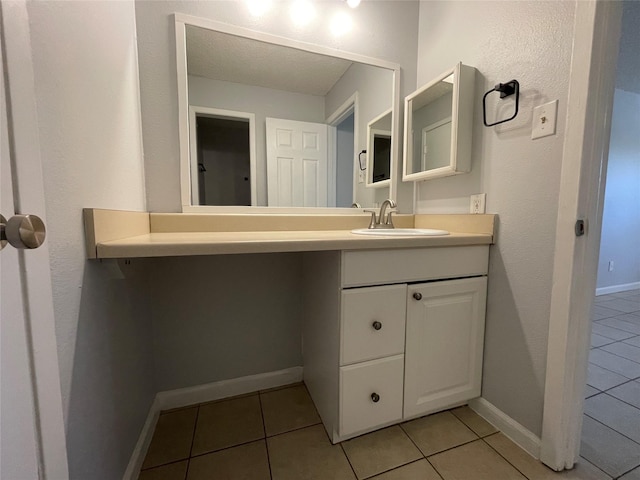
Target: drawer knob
x=376, y=325
x=375, y=397
x=417, y=296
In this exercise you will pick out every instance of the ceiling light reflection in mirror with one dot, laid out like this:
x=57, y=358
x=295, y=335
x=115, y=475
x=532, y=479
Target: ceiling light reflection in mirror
x=236, y=83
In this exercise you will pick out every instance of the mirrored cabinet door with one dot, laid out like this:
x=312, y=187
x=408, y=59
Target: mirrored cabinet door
x=438, y=126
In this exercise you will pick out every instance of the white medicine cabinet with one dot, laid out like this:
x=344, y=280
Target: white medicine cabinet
x=438, y=126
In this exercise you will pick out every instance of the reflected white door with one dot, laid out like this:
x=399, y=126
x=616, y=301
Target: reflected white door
x=296, y=163
x=32, y=440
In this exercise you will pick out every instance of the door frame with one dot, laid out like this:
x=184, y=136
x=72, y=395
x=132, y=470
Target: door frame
x=194, y=110
x=349, y=106
x=583, y=177
x=35, y=264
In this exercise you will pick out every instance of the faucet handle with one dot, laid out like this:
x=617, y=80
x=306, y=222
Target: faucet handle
x=389, y=221
x=374, y=219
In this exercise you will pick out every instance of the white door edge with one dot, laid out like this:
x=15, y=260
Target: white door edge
x=593, y=66
x=36, y=272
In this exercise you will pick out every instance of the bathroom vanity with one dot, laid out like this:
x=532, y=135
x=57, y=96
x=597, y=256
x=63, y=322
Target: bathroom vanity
x=393, y=327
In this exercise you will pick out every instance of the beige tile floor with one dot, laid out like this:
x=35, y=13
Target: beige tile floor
x=277, y=435
x=611, y=431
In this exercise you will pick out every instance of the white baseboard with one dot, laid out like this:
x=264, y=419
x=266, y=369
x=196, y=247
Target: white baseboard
x=183, y=397
x=208, y=392
x=625, y=287
x=507, y=425
x=140, y=450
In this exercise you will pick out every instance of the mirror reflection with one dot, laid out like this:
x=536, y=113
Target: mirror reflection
x=272, y=125
x=431, y=129
x=438, y=126
x=379, y=150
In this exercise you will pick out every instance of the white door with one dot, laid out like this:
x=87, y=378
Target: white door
x=32, y=440
x=445, y=339
x=296, y=163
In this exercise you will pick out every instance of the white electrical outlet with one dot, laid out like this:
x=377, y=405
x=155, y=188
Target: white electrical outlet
x=361, y=175
x=478, y=203
x=611, y=265
x=544, y=120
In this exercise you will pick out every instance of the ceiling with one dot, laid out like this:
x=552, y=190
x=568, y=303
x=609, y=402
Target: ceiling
x=221, y=56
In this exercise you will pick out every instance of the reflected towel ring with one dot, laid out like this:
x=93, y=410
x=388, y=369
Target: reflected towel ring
x=360, y=160
x=506, y=90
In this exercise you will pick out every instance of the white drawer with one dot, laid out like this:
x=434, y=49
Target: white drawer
x=361, y=384
x=377, y=267
x=373, y=321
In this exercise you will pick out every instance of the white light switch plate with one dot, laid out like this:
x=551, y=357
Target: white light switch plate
x=544, y=120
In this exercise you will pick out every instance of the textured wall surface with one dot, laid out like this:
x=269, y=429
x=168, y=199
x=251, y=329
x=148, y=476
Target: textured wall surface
x=531, y=42
x=381, y=30
x=621, y=216
x=86, y=83
x=227, y=316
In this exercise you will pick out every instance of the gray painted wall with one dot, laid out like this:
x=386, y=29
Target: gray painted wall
x=222, y=317
x=87, y=95
x=262, y=102
x=369, y=82
x=381, y=30
x=520, y=176
x=621, y=216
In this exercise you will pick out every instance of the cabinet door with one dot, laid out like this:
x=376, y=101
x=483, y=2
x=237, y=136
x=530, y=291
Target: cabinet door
x=445, y=339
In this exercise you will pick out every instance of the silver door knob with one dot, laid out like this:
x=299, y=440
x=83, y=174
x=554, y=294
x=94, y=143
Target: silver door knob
x=417, y=296
x=23, y=231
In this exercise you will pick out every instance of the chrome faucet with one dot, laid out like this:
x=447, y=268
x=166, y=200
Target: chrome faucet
x=383, y=220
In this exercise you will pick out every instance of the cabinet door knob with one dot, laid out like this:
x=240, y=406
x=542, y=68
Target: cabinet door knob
x=376, y=325
x=417, y=296
x=375, y=397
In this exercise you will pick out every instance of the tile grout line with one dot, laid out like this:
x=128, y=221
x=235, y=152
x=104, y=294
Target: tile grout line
x=395, y=468
x=611, y=428
x=344, y=452
x=623, y=401
x=264, y=431
x=421, y=452
x=193, y=439
x=503, y=457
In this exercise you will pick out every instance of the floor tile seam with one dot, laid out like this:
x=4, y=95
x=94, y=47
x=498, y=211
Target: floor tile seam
x=344, y=452
x=615, y=328
x=633, y=334
x=294, y=430
x=193, y=436
x=469, y=426
x=223, y=449
x=164, y=464
x=629, y=471
x=605, y=368
x=595, y=466
x=620, y=356
x=391, y=469
x=619, y=385
x=450, y=448
x=264, y=431
x=623, y=401
x=505, y=458
x=186, y=472
x=611, y=428
x=421, y=452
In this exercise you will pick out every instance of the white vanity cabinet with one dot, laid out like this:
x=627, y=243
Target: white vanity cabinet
x=392, y=334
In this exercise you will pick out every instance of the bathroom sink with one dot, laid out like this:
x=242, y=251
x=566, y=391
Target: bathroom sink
x=400, y=232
